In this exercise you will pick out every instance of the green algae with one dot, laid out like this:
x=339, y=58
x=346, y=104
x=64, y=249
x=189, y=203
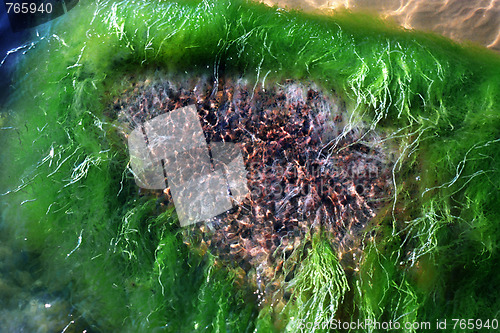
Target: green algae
x=431, y=255
x=317, y=288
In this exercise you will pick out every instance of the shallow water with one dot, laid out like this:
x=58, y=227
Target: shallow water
x=472, y=20
x=32, y=301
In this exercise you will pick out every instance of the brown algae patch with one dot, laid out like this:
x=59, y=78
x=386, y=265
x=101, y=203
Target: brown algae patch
x=307, y=170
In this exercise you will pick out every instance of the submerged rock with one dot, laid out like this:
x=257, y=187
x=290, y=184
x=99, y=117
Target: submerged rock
x=307, y=172
x=119, y=251
x=27, y=303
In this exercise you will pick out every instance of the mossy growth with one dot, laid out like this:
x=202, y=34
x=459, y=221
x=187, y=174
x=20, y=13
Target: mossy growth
x=67, y=190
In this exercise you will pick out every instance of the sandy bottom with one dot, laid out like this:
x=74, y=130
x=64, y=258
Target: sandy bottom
x=474, y=20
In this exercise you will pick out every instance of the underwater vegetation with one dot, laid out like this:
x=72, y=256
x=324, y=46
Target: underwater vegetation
x=424, y=109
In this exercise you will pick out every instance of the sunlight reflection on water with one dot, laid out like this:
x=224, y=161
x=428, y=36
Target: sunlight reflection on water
x=473, y=20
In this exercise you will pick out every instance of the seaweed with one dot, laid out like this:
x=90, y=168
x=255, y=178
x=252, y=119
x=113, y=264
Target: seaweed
x=68, y=192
